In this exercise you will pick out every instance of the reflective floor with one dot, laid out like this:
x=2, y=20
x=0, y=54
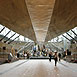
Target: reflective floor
x=38, y=68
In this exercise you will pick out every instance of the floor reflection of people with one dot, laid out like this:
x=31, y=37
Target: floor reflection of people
x=56, y=69
x=57, y=72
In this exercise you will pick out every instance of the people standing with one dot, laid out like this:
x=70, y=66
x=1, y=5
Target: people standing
x=55, y=58
x=34, y=49
x=27, y=55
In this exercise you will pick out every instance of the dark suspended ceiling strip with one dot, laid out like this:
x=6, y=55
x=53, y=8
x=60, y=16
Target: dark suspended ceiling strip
x=54, y=46
x=23, y=45
x=26, y=47
x=9, y=38
x=13, y=39
x=5, y=35
x=29, y=47
x=2, y=29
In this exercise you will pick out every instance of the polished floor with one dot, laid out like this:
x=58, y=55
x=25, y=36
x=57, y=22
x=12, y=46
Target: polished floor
x=38, y=68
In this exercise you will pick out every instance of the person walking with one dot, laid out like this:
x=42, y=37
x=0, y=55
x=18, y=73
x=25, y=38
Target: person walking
x=55, y=58
x=50, y=55
x=59, y=55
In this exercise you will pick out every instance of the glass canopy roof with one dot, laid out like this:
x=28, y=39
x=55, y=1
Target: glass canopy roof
x=72, y=33
x=12, y=35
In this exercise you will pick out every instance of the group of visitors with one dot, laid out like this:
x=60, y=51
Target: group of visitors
x=43, y=52
x=40, y=51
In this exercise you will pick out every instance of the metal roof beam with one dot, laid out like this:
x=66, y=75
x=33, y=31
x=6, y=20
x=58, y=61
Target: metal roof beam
x=5, y=35
x=71, y=36
x=2, y=29
x=13, y=39
x=9, y=38
x=66, y=37
x=74, y=32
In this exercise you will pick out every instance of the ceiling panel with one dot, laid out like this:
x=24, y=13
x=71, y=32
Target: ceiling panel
x=15, y=16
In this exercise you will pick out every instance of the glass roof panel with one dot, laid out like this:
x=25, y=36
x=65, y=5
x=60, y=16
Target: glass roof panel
x=20, y=38
x=60, y=38
x=1, y=27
